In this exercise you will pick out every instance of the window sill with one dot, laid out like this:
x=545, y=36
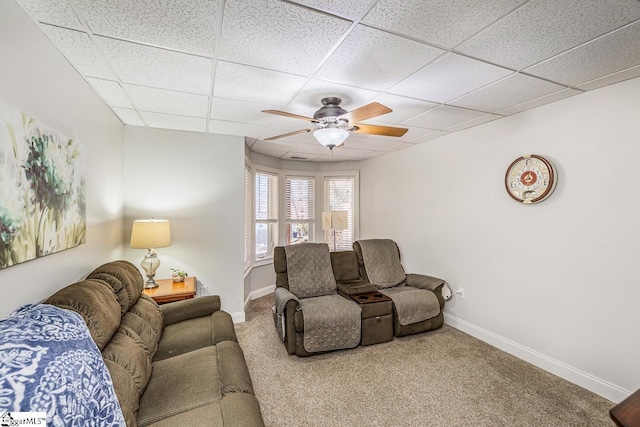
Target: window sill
x=263, y=261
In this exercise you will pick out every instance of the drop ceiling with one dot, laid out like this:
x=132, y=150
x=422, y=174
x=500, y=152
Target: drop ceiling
x=441, y=65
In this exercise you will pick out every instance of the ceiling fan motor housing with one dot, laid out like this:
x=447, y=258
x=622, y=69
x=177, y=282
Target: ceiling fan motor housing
x=330, y=108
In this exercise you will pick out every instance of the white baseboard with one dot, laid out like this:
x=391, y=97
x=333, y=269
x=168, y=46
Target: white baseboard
x=238, y=317
x=583, y=379
x=259, y=293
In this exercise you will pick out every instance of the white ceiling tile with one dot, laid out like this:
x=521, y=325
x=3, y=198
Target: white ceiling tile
x=280, y=145
x=233, y=128
x=255, y=84
x=56, y=12
x=333, y=157
x=270, y=153
x=443, y=117
x=373, y=143
x=512, y=90
x=167, y=101
x=128, y=117
x=278, y=35
x=540, y=101
x=111, y=92
x=150, y=66
x=474, y=122
x=448, y=78
x=353, y=152
x=169, y=121
x=416, y=133
x=431, y=136
x=308, y=100
x=614, y=52
x=241, y=111
x=442, y=22
x=302, y=157
x=522, y=38
x=351, y=9
x=312, y=148
x=611, y=78
x=375, y=59
x=186, y=25
x=403, y=108
x=80, y=51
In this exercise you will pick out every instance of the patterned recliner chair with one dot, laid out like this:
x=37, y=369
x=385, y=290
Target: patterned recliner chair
x=417, y=299
x=309, y=314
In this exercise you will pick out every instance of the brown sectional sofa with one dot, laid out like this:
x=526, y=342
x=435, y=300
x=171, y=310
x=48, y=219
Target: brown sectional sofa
x=177, y=364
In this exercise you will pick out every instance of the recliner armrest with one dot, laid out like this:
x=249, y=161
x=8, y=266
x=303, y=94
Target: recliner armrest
x=424, y=282
x=178, y=311
x=355, y=287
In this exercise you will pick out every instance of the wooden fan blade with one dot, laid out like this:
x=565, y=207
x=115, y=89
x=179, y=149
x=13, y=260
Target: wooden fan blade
x=379, y=130
x=288, y=134
x=366, y=112
x=293, y=116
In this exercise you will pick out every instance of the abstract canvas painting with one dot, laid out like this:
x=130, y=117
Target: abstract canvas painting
x=42, y=189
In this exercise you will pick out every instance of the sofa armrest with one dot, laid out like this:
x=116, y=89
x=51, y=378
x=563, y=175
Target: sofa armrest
x=355, y=287
x=178, y=311
x=424, y=282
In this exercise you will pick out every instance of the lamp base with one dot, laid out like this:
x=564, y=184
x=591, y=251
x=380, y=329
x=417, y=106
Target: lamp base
x=150, y=264
x=150, y=283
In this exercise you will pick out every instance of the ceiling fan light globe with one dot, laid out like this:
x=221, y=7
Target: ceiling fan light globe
x=331, y=137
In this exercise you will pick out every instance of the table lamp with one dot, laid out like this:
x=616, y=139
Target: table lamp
x=150, y=234
x=335, y=220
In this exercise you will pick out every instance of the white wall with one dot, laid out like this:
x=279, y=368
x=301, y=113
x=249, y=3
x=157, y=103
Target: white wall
x=196, y=181
x=555, y=283
x=37, y=79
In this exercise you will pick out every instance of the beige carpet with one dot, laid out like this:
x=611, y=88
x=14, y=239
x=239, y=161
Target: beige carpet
x=439, y=378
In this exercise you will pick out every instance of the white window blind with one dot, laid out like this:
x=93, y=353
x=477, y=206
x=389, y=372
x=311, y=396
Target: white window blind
x=266, y=194
x=299, y=208
x=339, y=195
x=247, y=217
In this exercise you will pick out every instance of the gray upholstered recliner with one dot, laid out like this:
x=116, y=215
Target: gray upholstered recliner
x=309, y=314
x=417, y=299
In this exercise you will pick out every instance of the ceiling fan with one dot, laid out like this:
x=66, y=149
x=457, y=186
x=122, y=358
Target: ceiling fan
x=333, y=123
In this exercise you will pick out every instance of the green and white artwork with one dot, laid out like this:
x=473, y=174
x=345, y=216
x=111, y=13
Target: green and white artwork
x=42, y=190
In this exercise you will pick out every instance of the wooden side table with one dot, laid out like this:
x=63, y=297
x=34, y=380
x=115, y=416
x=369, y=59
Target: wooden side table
x=627, y=412
x=170, y=291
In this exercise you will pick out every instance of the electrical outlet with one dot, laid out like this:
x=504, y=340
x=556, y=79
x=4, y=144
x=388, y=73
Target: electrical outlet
x=461, y=293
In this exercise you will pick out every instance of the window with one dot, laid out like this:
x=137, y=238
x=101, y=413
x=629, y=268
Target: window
x=339, y=195
x=247, y=217
x=299, y=212
x=266, y=191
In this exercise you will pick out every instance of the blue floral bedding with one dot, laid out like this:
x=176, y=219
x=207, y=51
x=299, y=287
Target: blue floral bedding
x=49, y=363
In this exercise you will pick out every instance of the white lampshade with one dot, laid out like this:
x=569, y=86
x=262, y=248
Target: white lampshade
x=335, y=220
x=150, y=233
x=331, y=137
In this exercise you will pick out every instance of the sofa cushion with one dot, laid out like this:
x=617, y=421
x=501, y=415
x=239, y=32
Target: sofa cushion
x=192, y=334
x=127, y=284
x=49, y=363
x=97, y=305
x=179, y=384
x=145, y=318
x=127, y=350
x=379, y=260
x=233, y=410
x=345, y=266
x=309, y=270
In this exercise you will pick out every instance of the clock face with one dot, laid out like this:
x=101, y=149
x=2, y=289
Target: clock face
x=530, y=179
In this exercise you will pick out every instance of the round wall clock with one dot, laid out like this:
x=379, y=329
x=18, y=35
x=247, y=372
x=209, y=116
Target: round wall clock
x=530, y=179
